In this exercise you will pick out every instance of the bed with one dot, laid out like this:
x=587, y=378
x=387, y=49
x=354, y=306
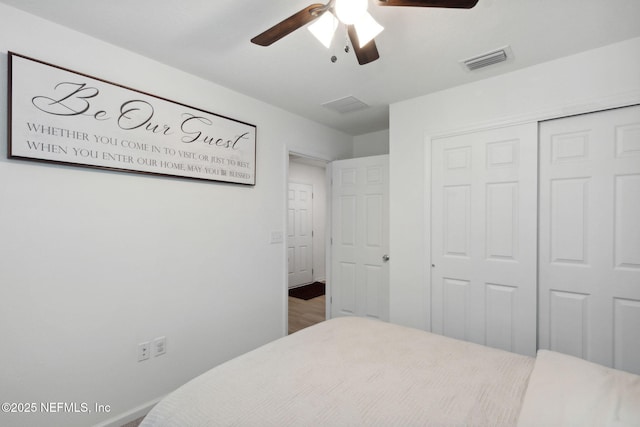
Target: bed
x=361, y=372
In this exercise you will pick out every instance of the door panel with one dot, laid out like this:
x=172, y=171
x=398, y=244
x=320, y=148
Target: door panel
x=627, y=221
x=500, y=306
x=484, y=237
x=590, y=237
x=360, y=237
x=299, y=234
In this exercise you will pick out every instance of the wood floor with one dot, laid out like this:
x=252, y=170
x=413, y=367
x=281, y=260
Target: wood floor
x=305, y=313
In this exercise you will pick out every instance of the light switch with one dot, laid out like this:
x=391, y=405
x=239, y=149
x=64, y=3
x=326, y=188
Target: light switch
x=277, y=237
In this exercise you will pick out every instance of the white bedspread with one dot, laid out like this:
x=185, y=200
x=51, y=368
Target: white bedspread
x=354, y=372
x=570, y=392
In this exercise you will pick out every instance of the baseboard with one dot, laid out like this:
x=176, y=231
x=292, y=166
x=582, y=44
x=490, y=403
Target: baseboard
x=133, y=414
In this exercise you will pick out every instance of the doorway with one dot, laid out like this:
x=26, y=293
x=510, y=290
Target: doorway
x=306, y=238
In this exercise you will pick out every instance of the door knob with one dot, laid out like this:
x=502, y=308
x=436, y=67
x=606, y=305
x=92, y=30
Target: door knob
x=385, y=258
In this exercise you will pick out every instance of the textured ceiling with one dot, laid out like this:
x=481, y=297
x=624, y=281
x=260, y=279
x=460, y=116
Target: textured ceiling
x=420, y=48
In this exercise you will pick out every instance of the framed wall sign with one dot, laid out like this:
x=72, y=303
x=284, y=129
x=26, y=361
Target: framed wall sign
x=59, y=115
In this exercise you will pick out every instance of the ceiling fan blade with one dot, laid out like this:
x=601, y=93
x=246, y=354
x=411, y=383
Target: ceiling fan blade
x=367, y=53
x=458, y=4
x=288, y=26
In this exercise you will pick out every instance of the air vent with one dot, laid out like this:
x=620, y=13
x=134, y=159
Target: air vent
x=347, y=104
x=486, y=59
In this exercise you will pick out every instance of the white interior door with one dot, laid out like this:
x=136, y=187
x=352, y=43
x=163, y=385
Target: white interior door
x=300, y=234
x=590, y=237
x=360, y=237
x=483, y=273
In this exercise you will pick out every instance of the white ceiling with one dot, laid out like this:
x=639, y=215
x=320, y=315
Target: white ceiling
x=420, y=48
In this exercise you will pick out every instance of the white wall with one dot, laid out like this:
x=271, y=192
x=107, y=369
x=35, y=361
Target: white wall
x=93, y=262
x=316, y=177
x=597, y=79
x=371, y=144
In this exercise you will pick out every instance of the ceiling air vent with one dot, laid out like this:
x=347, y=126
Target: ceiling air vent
x=346, y=105
x=486, y=59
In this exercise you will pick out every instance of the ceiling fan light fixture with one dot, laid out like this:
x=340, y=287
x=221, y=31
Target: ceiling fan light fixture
x=367, y=29
x=349, y=11
x=324, y=28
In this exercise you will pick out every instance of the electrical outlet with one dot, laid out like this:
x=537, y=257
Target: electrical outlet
x=159, y=346
x=144, y=351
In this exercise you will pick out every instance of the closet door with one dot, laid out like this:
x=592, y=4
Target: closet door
x=590, y=237
x=483, y=231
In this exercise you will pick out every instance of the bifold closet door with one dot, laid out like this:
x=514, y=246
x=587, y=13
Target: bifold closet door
x=483, y=237
x=589, y=261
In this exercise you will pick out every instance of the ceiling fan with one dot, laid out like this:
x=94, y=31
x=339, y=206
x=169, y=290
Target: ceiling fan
x=361, y=27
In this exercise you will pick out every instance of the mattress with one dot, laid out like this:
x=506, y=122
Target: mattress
x=354, y=372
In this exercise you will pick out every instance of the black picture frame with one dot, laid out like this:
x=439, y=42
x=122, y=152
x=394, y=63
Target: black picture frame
x=63, y=116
